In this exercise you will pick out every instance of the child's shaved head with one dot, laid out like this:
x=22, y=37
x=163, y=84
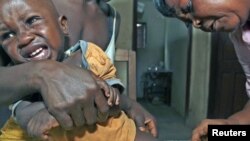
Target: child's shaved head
x=32, y=30
x=47, y=5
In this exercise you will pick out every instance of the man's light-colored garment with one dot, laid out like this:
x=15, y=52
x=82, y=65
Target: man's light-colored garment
x=120, y=128
x=110, y=51
x=243, y=53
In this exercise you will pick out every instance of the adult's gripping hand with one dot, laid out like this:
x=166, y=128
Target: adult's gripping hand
x=70, y=93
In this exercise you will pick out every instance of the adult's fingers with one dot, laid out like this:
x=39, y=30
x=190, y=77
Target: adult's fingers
x=104, y=86
x=196, y=137
x=198, y=132
x=90, y=113
x=139, y=121
x=77, y=116
x=101, y=103
x=63, y=118
x=152, y=127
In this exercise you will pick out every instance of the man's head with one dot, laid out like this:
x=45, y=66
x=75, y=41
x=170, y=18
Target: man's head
x=31, y=30
x=208, y=15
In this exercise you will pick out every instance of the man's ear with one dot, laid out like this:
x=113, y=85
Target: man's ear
x=63, y=22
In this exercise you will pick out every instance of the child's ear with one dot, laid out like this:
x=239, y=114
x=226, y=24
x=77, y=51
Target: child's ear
x=63, y=22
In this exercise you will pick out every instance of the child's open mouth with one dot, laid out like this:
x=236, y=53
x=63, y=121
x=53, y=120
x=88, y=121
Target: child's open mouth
x=246, y=33
x=36, y=52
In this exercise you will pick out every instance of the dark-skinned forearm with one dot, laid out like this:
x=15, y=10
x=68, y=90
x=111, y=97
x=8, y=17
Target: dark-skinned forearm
x=125, y=102
x=26, y=110
x=16, y=82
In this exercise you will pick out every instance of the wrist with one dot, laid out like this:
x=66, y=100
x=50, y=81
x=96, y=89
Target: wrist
x=40, y=71
x=36, y=76
x=232, y=120
x=126, y=103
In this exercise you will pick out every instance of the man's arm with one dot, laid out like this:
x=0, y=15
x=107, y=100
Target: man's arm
x=243, y=116
x=243, y=53
x=68, y=92
x=15, y=83
x=25, y=111
x=242, y=50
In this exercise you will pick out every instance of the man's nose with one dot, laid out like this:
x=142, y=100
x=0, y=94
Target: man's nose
x=25, y=37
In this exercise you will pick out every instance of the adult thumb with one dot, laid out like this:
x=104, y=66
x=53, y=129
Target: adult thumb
x=139, y=121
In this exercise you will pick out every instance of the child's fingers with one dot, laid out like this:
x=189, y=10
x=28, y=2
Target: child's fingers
x=104, y=86
x=200, y=131
x=32, y=129
x=139, y=121
x=45, y=137
x=117, y=100
x=40, y=128
x=111, y=97
x=116, y=96
x=151, y=126
x=197, y=134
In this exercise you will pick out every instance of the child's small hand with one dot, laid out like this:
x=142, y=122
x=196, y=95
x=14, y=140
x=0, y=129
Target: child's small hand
x=144, y=121
x=40, y=124
x=111, y=93
x=114, y=96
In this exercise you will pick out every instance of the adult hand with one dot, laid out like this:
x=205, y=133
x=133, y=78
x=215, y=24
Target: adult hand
x=69, y=92
x=143, y=119
x=200, y=132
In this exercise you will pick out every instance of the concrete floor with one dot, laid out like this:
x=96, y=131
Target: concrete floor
x=171, y=125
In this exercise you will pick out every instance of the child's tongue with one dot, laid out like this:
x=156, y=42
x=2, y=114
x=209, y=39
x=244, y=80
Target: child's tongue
x=246, y=33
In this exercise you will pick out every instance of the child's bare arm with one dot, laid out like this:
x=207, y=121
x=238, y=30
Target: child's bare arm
x=144, y=121
x=35, y=119
x=25, y=110
x=41, y=124
x=113, y=94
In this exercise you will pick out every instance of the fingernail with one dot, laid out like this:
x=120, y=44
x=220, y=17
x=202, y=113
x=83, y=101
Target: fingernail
x=110, y=104
x=142, y=129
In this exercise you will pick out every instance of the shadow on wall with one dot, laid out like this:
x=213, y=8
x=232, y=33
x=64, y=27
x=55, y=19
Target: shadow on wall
x=4, y=115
